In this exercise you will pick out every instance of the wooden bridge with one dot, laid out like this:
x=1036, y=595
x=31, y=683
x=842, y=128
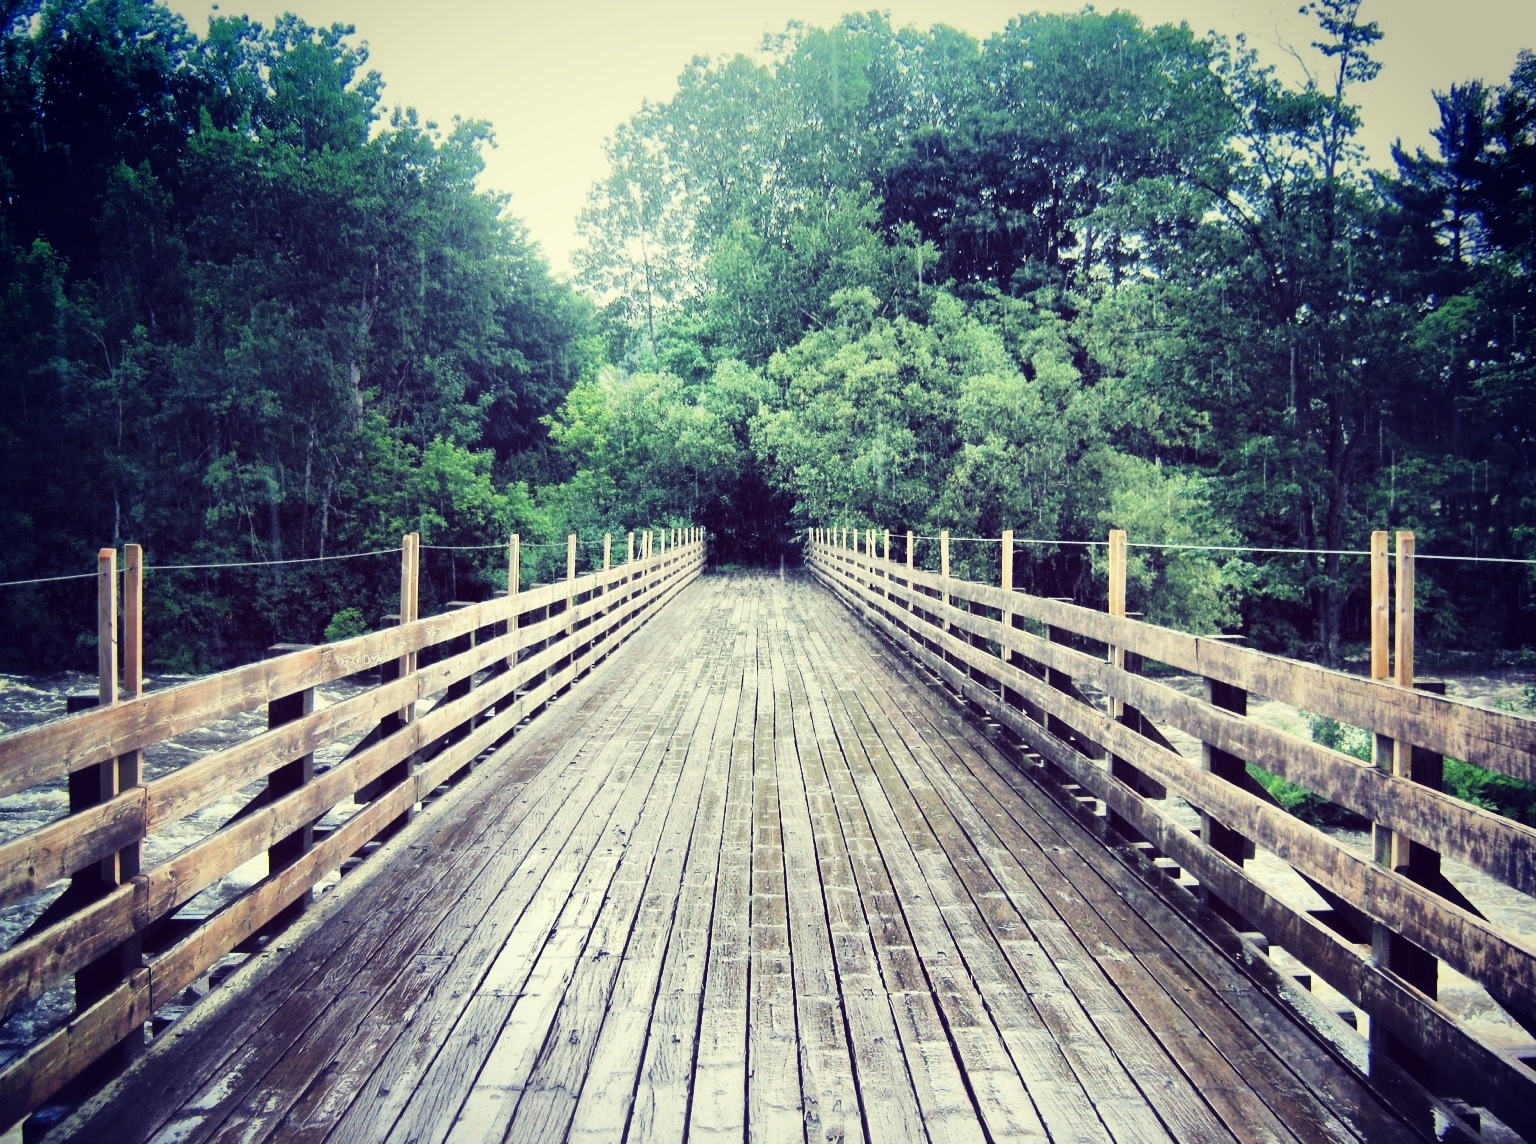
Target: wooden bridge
x=765, y=871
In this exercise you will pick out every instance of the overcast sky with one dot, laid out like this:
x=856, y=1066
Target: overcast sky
x=555, y=77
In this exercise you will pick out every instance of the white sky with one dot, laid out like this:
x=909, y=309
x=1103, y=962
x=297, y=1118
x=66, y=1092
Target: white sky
x=555, y=77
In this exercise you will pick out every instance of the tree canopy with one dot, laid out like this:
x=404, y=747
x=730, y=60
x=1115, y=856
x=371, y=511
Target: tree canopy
x=1083, y=273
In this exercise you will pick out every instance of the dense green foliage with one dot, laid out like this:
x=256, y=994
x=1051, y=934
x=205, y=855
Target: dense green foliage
x=247, y=319
x=1087, y=274
x=1081, y=274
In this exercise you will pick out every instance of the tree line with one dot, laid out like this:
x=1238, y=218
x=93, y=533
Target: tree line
x=1081, y=274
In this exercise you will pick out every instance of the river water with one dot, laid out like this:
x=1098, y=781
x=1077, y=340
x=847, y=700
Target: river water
x=29, y=700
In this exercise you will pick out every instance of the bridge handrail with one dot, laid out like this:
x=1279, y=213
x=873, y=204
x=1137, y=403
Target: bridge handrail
x=501, y=661
x=1114, y=752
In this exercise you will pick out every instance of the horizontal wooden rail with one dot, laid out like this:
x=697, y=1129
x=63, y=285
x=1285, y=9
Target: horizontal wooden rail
x=498, y=662
x=976, y=639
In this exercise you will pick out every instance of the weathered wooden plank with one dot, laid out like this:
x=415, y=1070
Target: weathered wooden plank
x=611, y=996
x=427, y=1082
x=633, y=1031
x=1499, y=740
x=1503, y=963
x=1502, y=848
x=1489, y=1075
x=168, y=980
x=422, y=1005
x=828, y=1091
x=1079, y=1084
x=41, y=857
x=889, y=1099
x=660, y=1104
x=544, y=974
x=718, y=1090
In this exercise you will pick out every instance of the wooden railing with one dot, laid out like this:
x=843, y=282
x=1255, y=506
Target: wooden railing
x=1065, y=682
x=449, y=688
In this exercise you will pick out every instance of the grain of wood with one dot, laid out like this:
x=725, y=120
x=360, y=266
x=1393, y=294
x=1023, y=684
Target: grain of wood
x=834, y=913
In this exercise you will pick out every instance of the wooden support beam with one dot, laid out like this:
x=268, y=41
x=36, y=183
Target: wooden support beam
x=1120, y=768
x=286, y=779
x=1224, y=840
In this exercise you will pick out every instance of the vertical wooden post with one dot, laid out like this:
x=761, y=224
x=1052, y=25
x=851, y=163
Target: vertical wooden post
x=1403, y=668
x=1382, y=751
x=1119, y=710
x=1420, y=863
x=1005, y=617
x=106, y=626
x=514, y=585
x=410, y=584
x=944, y=576
x=607, y=564
x=91, y=786
x=95, y=784
x=1117, y=574
x=1381, y=607
x=911, y=552
x=570, y=584
x=285, y=780
x=629, y=547
x=1217, y=835
x=885, y=563
x=402, y=668
x=130, y=766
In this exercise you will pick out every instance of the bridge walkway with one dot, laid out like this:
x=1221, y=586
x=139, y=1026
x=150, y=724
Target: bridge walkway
x=752, y=877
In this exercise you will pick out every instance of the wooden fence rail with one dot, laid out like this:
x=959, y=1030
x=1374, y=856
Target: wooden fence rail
x=1066, y=682
x=449, y=688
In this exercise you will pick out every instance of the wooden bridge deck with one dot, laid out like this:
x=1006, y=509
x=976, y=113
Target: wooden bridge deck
x=752, y=876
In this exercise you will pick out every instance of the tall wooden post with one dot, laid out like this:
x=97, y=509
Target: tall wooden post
x=944, y=569
x=1382, y=749
x=514, y=585
x=130, y=766
x=410, y=585
x=405, y=668
x=1381, y=607
x=629, y=547
x=1005, y=617
x=1420, y=863
x=570, y=583
x=286, y=779
x=91, y=786
x=106, y=626
x=1117, y=574
x=1403, y=673
x=1118, y=569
